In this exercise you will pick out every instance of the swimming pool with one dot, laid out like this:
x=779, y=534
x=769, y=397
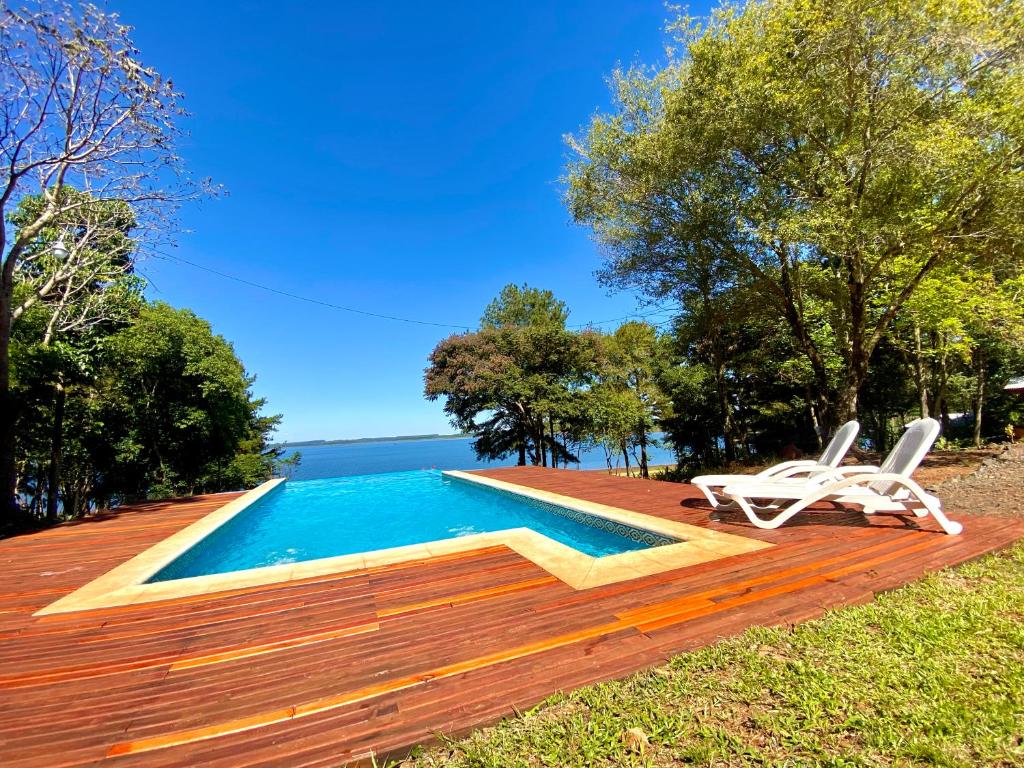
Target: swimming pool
x=313, y=519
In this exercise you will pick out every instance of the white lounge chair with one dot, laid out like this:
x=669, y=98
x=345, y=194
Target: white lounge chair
x=888, y=488
x=790, y=471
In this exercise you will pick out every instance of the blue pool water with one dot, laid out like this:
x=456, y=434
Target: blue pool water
x=339, y=516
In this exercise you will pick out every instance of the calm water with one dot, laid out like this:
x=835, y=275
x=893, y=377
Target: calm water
x=304, y=520
x=321, y=461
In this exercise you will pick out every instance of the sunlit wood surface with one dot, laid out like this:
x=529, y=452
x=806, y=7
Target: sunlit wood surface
x=328, y=670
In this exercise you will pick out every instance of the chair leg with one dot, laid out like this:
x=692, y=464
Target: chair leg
x=759, y=522
x=909, y=502
x=716, y=501
x=926, y=504
x=932, y=505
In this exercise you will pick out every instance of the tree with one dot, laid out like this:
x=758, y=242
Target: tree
x=78, y=110
x=957, y=327
x=524, y=307
x=737, y=385
x=65, y=306
x=178, y=413
x=630, y=366
x=830, y=155
x=612, y=415
x=150, y=403
x=512, y=384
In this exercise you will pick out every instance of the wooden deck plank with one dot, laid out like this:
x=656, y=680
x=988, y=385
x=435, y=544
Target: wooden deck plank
x=335, y=668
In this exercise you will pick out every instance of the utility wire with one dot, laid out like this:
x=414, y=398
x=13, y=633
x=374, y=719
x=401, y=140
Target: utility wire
x=378, y=315
x=313, y=301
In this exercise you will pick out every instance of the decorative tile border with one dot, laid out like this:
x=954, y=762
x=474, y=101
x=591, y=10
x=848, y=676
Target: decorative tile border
x=639, y=535
x=127, y=583
x=692, y=544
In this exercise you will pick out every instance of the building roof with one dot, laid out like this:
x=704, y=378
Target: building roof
x=1016, y=384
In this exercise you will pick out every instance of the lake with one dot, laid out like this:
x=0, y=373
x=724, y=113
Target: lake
x=320, y=461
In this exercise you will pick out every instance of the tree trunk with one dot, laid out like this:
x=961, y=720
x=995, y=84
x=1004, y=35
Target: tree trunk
x=551, y=429
x=10, y=509
x=939, y=408
x=522, y=453
x=36, y=503
x=643, y=452
x=625, y=456
x=728, y=428
x=943, y=405
x=846, y=402
x=979, y=394
x=815, y=420
x=56, y=452
x=919, y=378
x=845, y=408
x=882, y=433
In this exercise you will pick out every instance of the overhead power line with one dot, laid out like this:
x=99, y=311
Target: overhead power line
x=309, y=300
x=378, y=315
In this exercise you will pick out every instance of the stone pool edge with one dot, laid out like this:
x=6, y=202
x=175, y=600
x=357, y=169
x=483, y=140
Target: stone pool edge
x=695, y=544
x=125, y=584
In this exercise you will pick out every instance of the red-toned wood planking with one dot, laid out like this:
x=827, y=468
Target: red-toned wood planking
x=329, y=669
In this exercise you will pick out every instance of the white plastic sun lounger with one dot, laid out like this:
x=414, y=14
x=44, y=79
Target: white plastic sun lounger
x=790, y=471
x=888, y=488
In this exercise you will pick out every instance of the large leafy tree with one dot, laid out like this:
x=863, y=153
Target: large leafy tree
x=65, y=306
x=513, y=383
x=830, y=156
x=78, y=110
x=178, y=408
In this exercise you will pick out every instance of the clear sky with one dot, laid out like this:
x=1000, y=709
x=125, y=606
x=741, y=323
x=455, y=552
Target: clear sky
x=401, y=158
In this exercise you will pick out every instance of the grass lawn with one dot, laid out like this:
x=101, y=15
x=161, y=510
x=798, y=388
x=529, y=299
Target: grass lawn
x=930, y=674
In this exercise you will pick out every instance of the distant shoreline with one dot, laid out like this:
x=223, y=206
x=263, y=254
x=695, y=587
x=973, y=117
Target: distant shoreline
x=348, y=441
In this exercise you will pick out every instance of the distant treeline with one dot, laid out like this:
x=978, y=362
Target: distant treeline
x=395, y=439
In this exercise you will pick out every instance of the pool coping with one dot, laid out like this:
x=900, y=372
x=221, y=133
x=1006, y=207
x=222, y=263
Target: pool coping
x=126, y=584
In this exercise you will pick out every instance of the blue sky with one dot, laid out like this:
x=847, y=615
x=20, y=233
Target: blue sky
x=401, y=158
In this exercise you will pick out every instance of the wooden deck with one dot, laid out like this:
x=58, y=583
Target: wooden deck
x=326, y=670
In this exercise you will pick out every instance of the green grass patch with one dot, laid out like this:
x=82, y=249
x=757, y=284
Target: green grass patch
x=930, y=674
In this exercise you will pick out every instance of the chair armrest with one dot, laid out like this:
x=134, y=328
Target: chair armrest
x=856, y=469
x=806, y=471
x=820, y=487
x=835, y=474
x=786, y=466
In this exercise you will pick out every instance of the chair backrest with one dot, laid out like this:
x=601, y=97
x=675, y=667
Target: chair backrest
x=908, y=451
x=840, y=443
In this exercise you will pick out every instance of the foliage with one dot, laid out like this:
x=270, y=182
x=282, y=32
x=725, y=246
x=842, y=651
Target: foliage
x=627, y=403
x=513, y=383
x=178, y=413
x=826, y=157
x=87, y=134
x=118, y=398
x=961, y=329
x=931, y=673
x=523, y=306
x=151, y=406
x=740, y=387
